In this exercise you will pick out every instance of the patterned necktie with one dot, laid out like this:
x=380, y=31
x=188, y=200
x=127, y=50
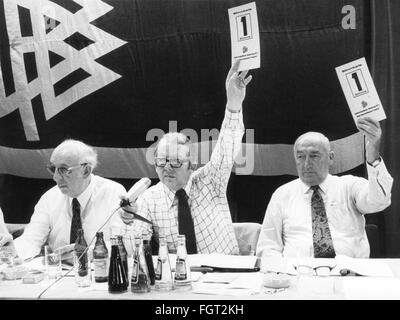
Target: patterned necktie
x=185, y=221
x=76, y=220
x=323, y=245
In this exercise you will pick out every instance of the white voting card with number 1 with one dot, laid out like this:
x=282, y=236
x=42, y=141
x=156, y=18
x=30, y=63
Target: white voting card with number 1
x=359, y=90
x=245, y=37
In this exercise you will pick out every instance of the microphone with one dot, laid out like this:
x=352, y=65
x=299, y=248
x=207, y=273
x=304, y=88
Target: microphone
x=137, y=189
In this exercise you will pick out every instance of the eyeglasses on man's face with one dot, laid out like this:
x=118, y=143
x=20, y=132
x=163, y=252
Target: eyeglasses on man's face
x=63, y=171
x=174, y=163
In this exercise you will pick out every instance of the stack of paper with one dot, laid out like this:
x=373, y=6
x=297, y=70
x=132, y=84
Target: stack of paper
x=227, y=263
x=363, y=267
x=239, y=284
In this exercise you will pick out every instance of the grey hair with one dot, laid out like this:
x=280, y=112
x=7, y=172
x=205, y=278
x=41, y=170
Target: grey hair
x=315, y=136
x=84, y=152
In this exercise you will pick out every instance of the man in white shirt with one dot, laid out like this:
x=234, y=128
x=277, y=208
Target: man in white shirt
x=322, y=215
x=79, y=200
x=193, y=202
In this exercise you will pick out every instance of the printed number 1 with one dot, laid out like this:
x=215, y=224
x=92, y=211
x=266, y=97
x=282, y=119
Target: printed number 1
x=244, y=22
x=355, y=77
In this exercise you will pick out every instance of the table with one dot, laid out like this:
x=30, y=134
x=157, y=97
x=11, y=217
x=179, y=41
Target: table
x=331, y=288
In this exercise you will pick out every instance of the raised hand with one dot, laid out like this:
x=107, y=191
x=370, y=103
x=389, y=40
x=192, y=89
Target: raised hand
x=235, y=85
x=373, y=132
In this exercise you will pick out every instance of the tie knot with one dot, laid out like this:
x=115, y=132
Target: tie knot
x=181, y=194
x=75, y=203
x=314, y=188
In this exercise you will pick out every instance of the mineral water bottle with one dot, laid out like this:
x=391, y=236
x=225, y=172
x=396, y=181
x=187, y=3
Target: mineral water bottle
x=148, y=256
x=81, y=261
x=182, y=267
x=100, y=259
x=163, y=273
x=140, y=280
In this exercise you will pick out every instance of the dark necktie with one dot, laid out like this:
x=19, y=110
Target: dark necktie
x=76, y=220
x=323, y=245
x=185, y=221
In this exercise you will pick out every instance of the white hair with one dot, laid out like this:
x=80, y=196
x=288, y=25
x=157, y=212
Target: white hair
x=314, y=136
x=84, y=152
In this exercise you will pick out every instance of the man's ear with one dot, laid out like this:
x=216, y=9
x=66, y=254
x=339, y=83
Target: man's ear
x=192, y=166
x=331, y=156
x=87, y=170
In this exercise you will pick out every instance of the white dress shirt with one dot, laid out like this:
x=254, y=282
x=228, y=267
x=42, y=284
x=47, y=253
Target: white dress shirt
x=51, y=220
x=287, y=226
x=206, y=189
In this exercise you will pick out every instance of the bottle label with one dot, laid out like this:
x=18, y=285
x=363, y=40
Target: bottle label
x=135, y=271
x=180, y=270
x=81, y=261
x=100, y=267
x=158, y=275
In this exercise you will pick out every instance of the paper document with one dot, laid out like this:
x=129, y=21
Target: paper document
x=217, y=262
x=222, y=261
x=245, y=38
x=252, y=281
x=219, y=277
x=278, y=264
x=242, y=284
x=364, y=288
x=363, y=267
x=359, y=90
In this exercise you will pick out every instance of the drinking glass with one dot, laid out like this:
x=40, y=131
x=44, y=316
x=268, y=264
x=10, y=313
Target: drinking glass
x=52, y=261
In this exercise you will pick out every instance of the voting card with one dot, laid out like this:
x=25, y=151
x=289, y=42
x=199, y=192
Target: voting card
x=359, y=90
x=245, y=38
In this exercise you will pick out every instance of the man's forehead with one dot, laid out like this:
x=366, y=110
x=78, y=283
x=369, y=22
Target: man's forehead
x=65, y=156
x=311, y=144
x=313, y=148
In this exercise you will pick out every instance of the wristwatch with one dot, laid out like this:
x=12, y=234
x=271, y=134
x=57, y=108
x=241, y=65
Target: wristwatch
x=376, y=162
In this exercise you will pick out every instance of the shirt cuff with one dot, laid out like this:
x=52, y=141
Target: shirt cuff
x=374, y=170
x=233, y=115
x=233, y=121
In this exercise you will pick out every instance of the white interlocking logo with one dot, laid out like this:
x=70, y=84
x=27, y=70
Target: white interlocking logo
x=71, y=40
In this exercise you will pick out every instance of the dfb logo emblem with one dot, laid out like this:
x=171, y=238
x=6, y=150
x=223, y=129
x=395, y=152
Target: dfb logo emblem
x=59, y=43
x=364, y=104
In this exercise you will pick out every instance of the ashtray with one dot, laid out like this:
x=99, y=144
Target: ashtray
x=276, y=280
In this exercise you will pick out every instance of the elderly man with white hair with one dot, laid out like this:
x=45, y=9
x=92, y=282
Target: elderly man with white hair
x=322, y=215
x=79, y=200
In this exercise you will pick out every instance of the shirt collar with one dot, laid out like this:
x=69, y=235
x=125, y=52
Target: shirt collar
x=84, y=197
x=170, y=195
x=323, y=186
